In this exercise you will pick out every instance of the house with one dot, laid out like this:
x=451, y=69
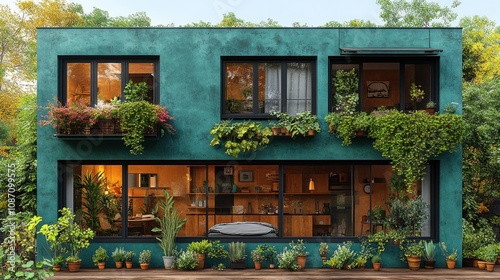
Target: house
x=310, y=188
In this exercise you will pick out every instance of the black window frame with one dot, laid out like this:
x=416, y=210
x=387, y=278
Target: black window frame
x=94, y=61
x=433, y=61
x=283, y=60
x=124, y=237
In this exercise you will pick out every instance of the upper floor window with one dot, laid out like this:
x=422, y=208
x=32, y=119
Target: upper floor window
x=255, y=88
x=99, y=80
x=387, y=81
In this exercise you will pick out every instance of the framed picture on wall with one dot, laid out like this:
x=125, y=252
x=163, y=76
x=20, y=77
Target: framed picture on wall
x=228, y=170
x=377, y=89
x=245, y=176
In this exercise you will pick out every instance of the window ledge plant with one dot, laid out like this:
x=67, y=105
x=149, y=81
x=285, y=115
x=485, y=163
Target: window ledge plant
x=240, y=137
x=132, y=119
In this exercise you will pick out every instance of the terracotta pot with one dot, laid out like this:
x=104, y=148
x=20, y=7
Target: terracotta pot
x=376, y=266
x=144, y=266
x=311, y=132
x=271, y=266
x=276, y=131
x=56, y=267
x=331, y=127
x=301, y=261
x=101, y=265
x=481, y=265
x=74, y=266
x=451, y=264
x=258, y=265
x=474, y=262
x=430, y=111
x=128, y=264
x=323, y=256
x=201, y=261
x=119, y=264
x=490, y=266
x=413, y=262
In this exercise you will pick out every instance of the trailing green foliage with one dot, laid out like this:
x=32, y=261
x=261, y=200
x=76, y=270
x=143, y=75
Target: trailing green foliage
x=410, y=140
x=240, y=137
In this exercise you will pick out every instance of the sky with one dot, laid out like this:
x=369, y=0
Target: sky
x=285, y=12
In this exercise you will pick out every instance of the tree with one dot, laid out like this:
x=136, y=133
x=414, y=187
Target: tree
x=480, y=49
x=351, y=23
x=22, y=159
x=481, y=147
x=416, y=13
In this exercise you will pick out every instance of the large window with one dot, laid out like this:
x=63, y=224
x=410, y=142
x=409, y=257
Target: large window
x=100, y=80
x=258, y=87
x=387, y=81
x=292, y=200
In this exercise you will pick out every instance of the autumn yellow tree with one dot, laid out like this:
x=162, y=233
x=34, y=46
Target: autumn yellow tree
x=480, y=49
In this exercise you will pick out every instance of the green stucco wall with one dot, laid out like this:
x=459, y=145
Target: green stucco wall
x=190, y=86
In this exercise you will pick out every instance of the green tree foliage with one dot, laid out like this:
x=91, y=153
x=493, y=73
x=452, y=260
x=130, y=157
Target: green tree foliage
x=416, y=13
x=101, y=18
x=480, y=49
x=22, y=160
x=481, y=147
x=351, y=23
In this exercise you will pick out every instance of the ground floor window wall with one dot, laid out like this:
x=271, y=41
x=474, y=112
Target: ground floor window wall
x=298, y=200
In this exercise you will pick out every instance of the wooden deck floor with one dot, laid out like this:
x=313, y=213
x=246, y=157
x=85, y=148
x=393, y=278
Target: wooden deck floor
x=249, y=273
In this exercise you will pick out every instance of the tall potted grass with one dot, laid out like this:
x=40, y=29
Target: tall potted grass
x=170, y=224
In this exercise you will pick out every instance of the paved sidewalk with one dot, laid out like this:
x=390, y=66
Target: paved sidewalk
x=250, y=273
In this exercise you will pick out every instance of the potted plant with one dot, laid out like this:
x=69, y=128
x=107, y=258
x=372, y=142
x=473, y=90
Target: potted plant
x=283, y=125
x=105, y=116
x=217, y=252
x=257, y=257
x=56, y=242
x=343, y=256
x=170, y=223
x=200, y=248
x=416, y=94
x=145, y=259
x=376, y=261
x=287, y=259
x=299, y=248
x=489, y=255
x=430, y=107
x=269, y=253
x=413, y=252
x=73, y=118
x=187, y=260
x=129, y=256
x=237, y=255
x=304, y=124
x=366, y=251
x=118, y=256
x=138, y=116
x=240, y=137
x=323, y=250
x=76, y=238
x=100, y=257
x=429, y=254
x=450, y=256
